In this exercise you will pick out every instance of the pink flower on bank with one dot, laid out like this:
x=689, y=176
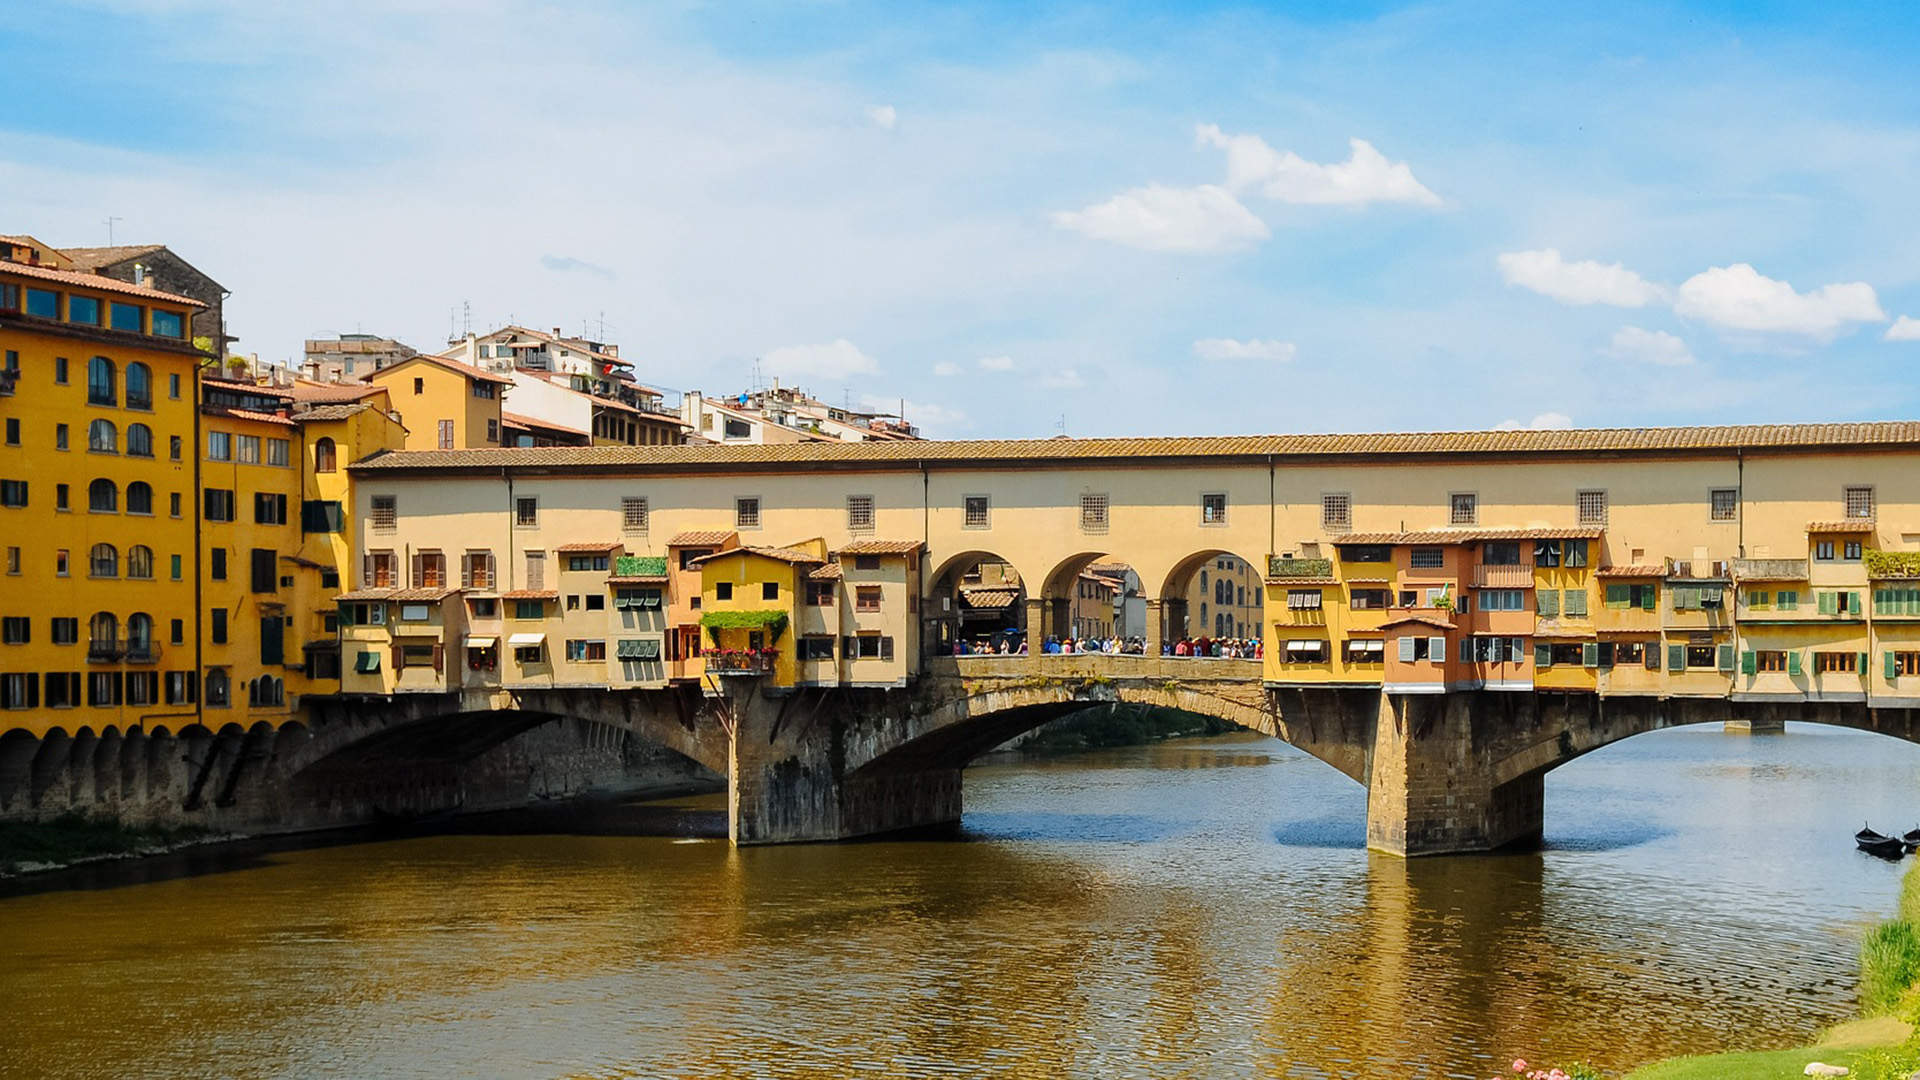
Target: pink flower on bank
x=1519, y=1065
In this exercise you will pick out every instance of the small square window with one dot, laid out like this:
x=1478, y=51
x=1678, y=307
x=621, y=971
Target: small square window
x=976, y=511
x=1213, y=508
x=859, y=513
x=746, y=513
x=1859, y=502
x=633, y=514
x=1463, y=508
x=1336, y=512
x=1592, y=507
x=526, y=512
x=769, y=590
x=1093, y=513
x=1725, y=504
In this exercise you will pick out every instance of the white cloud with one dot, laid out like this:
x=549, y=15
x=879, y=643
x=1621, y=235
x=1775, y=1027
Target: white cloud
x=1648, y=346
x=835, y=360
x=1546, y=421
x=1365, y=177
x=1252, y=349
x=1904, y=328
x=935, y=420
x=882, y=116
x=1198, y=220
x=996, y=363
x=1738, y=297
x=1586, y=282
x=1062, y=379
x=946, y=369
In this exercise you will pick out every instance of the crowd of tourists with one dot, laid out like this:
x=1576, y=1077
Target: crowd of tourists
x=1205, y=648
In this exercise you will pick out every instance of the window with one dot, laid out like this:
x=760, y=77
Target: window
x=529, y=609
x=101, y=382
x=140, y=562
x=103, y=497
x=1591, y=506
x=483, y=607
x=1510, y=600
x=219, y=446
x=219, y=504
x=1501, y=553
x=173, y=387
x=326, y=457
x=866, y=562
x=139, y=440
x=128, y=317
x=769, y=590
x=180, y=687
x=385, y=513
x=1213, y=508
x=1859, y=502
x=269, y=508
x=820, y=593
x=582, y=651
x=866, y=598
x=1364, y=651
x=219, y=688
x=265, y=575
x=247, y=449
x=322, y=516
x=277, y=452
x=815, y=648
x=1304, y=599
x=13, y=560
x=1902, y=663
x=859, y=515
x=16, y=691
x=1093, y=513
x=869, y=647
x=483, y=390
x=1369, y=599
x=168, y=324
x=1823, y=550
x=381, y=570
x=175, y=572
x=13, y=432
x=63, y=689
x=217, y=564
x=1766, y=660
x=1336, y=512
x=1306, y=652
x=419, y=386
x=13, y=493
x=218, y=625
x=737, y=429
x=60, y=563
x=1836, y=663
x=446, y=434
x=476, y=570
x=15, y=630
x=526, y=512
x=174, y=447
x=723, y=590
x=60, y=437
x=1463, y=508
x=60, y=370
x=139, y=386
x=1758, y=599
x=746, y=513
x=596, y=602
x=84, y=310
x=366, y=663
x=1575, y=552
x=103, y=437
x=586, y=562
x=536, y=569
x=1546, y=553
x=1850, y=551
x=1427, y=558
x=43, y=303
x=976, y=511
x=633, y=514
x=1724, y=504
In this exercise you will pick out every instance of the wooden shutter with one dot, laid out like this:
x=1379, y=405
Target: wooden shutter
x=1725, y=658
x=1853, y=608
x=398, y=659
x=1862, y=668
x=466, y=571
x=419, y=567
x=1893, y=666
x=1576, y=602
x=1829, y=603
x=366, y=571
x=886, y=648
x=1619, y=596
x=439, y=657
x=1437, y=649
x=1406, y=650
x=1606, y=654
x=1650, y=601
x=1749, y=663
x=1793, y=662
x=1542, y=655
x=1676, y=658
x=1547, y=601
x=1590, y=654
x=1650, y=653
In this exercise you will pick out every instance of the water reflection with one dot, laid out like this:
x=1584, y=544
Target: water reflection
x=1198, y=909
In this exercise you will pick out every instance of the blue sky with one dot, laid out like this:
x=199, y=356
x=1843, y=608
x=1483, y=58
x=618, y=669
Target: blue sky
x=1136, y=218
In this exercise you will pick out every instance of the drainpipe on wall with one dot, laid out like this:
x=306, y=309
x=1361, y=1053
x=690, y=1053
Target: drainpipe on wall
x=199, y=552
x=507, y=477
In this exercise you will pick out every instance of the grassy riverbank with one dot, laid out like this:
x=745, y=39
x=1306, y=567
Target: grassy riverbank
x=1883, y=1045
x=1122, y=725
x=26, y=847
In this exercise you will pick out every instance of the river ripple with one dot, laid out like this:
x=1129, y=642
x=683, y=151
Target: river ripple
x=1201, y=908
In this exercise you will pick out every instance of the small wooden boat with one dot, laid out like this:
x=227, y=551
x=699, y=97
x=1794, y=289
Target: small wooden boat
x=1885, y=847
x=1912, y=839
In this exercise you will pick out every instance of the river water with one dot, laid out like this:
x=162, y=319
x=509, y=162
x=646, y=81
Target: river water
x=1201, y=908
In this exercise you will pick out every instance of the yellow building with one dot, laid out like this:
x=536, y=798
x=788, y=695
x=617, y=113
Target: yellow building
x=97, y=501
x=444, y=404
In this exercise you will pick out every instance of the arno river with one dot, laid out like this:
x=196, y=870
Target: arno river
x=1203, y=908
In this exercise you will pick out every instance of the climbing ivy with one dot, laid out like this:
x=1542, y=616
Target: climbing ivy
x=1886, y=564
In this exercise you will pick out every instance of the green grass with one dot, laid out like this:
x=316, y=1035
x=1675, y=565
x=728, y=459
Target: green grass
x=1889, y=964
x=1761, y=1066
x=73, y=837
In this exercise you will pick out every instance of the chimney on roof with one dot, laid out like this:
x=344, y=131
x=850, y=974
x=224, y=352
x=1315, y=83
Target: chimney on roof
x=139, y=274
x=556, y=331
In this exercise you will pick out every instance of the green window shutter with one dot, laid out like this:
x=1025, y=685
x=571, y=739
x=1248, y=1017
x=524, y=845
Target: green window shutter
x=1676, y=658
x=1893, y=665
x=1542, y=655
x=1651, y=601
x=1577, y=603
x=1619, y=596
x=1650, y=655
x=1793, y=662
x=1749, y=664
x=1788, y=600
x=1547, y=601
x=1829, y=603
x=1590, y=654
x=1726, y=658
x=1853, y=608
x=1862, y=667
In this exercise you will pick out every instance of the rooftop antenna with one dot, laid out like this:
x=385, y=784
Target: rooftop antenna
x=453, y=321
x=109, y=224
x=466, y=315
x=1060, y=425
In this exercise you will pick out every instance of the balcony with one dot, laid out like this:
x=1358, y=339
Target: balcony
x=1503, y=577
x=1770, y=569
x=740, y=661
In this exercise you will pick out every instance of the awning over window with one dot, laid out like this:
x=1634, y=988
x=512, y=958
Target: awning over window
x=366, y=663
x=482, y=642
x=1314, y=643
x=522, y=640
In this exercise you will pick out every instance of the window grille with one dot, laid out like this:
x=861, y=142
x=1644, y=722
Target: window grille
x=1093, y=513
x=1336, y=512
x=1592, y=506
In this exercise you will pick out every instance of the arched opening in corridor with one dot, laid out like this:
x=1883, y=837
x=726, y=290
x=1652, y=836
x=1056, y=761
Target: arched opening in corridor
x=1216, y=597
x=976, y=603
x=1093, y=602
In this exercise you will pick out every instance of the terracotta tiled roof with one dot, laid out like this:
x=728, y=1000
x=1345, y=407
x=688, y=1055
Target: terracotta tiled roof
x=366, y=594
x=411, y=596
x=825, y=572
x=531, y=594
x=989, y=599
x=791, y=555
x=1471, y=536
x=330, y=412
x=1851, y=525
x=1643, y=570
x=699, y=538
x=454, y=366
x=882, y=547
x=521, y=420
x=636, y=579
x=1424, y=620
x=93, y=258
x=1592, y=442
x=304, y=390
x=249, y=414
x=89, y=280
x=594, y=548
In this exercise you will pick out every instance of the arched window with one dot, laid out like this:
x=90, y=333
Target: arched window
x=103, y=631
x=140, y=634
x=139, y=497
x=266, y=690
x=100, y=382
x=1203, y=581
x=139, y=440
x=103, y=497
x=103, y=436
x=324, y=457
x=139, y=386
x=139, y=561
x=219, y=688
x=104, y=561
